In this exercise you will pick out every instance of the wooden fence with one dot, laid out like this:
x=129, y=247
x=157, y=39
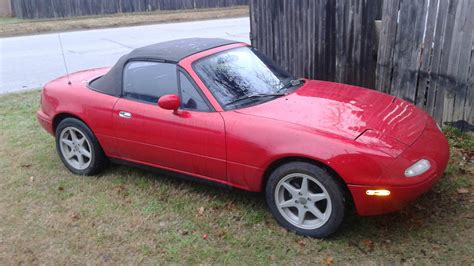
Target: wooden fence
x=424, y=53
x=29, y=9
x=428, y=58
x=321, y=39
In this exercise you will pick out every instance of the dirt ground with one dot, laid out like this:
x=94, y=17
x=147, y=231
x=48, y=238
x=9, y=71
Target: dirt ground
x=14, y=27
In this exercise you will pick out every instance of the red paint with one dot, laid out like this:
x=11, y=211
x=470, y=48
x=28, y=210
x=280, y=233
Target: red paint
x=366, y=137
x=169, y=102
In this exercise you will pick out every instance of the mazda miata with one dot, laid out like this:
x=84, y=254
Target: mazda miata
x=221, y=111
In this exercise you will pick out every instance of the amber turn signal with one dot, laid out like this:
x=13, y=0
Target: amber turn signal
x=378, y=192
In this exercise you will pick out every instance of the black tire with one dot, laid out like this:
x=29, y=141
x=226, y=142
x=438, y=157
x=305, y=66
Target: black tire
x=332, y=188
x=98, y=160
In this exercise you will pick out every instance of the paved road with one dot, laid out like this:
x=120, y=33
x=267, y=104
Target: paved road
x=29, y=62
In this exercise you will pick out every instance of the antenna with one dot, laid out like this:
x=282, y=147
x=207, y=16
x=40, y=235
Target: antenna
x=64, y=59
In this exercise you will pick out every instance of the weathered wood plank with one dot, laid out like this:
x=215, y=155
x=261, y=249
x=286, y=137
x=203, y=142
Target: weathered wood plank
x=434, y=91
x=444, y=97
x=426, y=63
x=469, y=104
x=407, y=52
x=465, y=20
x=386, y=45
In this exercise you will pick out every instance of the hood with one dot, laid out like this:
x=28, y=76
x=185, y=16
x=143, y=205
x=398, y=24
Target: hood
x=347, y=111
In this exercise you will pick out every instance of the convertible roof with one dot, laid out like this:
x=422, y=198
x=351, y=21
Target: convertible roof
x=170, y=51
x=175, y=51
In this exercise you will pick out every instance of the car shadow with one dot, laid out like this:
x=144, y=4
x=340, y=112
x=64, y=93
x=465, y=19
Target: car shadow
x=418, y=216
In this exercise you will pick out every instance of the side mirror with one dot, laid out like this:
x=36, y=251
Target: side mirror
x=169, y=102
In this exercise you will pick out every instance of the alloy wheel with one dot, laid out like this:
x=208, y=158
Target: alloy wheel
x=303, y=201
x=75, y=148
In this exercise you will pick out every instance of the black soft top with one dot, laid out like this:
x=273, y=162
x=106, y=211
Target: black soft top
x=170, y=51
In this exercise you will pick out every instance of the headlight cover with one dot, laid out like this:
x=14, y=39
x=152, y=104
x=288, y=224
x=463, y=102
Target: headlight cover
x=418, y=168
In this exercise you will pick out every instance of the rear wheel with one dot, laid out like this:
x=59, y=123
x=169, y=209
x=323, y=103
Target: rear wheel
x=78, y=148
x=306, y=199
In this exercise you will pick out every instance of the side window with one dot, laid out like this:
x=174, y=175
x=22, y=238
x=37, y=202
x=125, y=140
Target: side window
x=148, y=81
x=191, y=99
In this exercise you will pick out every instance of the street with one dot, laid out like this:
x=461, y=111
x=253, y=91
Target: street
x=28, y=62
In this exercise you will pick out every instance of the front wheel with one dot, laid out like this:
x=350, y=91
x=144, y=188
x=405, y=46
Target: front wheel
x=306, y=199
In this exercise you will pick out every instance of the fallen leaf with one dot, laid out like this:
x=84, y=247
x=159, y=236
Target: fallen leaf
x=329, y=260
x=463, y=190
x=302, y=243
x=122, y=190
x=200, y=211
x=75, y=216
x=32, y=178
x=369, y=244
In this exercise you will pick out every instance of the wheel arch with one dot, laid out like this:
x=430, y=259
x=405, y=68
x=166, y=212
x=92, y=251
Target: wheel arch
x=63, y=115
x=288, y=159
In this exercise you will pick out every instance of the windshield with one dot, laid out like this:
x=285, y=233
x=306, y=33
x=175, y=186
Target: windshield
x=242, y=77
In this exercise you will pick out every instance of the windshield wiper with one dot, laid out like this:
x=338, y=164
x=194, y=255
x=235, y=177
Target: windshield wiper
x=291, y=83
x=256, y=95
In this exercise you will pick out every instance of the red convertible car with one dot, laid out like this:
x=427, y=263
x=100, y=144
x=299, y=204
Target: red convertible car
x=221, y=111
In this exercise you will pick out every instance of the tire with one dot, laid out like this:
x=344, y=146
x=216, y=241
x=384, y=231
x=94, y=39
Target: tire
x=287, y=199
x=74, y=140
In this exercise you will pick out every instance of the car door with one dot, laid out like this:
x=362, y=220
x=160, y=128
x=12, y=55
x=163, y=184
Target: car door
x=191, y=140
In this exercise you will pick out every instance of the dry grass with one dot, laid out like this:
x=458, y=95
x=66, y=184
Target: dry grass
x=126, y=215
x=12, y=26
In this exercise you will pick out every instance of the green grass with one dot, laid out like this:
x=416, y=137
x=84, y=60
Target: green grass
x=127, y=215
x=9, y=20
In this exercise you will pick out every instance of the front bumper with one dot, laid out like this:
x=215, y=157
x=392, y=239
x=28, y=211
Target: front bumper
x=431, y=145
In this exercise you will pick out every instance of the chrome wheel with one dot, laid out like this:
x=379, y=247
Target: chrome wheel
x=303, y=201
x=75, y=148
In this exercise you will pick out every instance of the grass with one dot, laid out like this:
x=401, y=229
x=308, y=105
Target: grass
x=127, y=215
x=9, y=20
x=13, y=26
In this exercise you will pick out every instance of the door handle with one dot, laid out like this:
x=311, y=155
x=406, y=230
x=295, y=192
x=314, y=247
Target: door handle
x=125, y=114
